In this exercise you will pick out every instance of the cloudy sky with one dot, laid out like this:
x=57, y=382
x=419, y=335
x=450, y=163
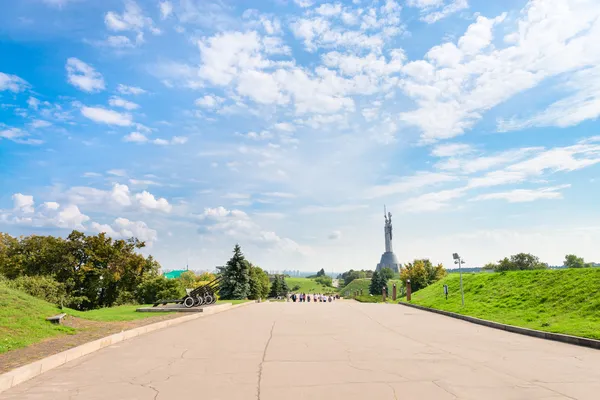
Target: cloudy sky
x=286, y=125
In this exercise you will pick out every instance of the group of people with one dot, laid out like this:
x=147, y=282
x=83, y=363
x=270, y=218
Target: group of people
x=304, y=297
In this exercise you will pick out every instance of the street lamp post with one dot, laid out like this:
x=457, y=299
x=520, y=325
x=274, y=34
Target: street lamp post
x=459, y=261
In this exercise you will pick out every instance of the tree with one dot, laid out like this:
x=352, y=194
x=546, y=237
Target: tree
x=188, y=280
x=520, y=262
x=259, y=283
x=235, y=284
x=572, y=261
x=387, y=273
x=325, y=280
x=377, y=283
x=279, y=287
x=321, y=272
x=158, y=288
x=422, y=273
x=351, y=275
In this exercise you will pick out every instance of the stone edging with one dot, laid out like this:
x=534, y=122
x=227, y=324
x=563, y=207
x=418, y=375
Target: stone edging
x=21, y=374
x=559, y=337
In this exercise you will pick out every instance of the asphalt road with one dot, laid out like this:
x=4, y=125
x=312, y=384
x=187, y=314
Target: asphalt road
x=341, y=350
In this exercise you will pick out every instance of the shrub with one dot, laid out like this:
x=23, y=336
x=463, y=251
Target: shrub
x=42, y=287
x=125, y=297
x=324, y=280
x=158, y=288
x=422, y=273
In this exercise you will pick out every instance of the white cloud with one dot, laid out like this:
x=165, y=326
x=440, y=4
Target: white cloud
x=328, y=9
x=122, y=228
x=132, y=19
x=71, y=217
x=119, y=42
x=38, y=123
x=51, y=205
x=431, y=201
x=304, y=3
x=135, y=137
x=209, y=101
x=582, y=104
x=12, y=83
x=124, y=89
x=554, y=37
x=525, y=195
x=559, y=159
x=18, y=136
x=471, y=164
x=451, y=8
x=84, y=76
x=33, y=103
x=23, y=203
x=116, y=101
x=409, y=184
x=166, y=9
x=451, y=149
x=117, y=172
x=106, y=116
x=239, y=226
x=281, y=195
x=148, y=201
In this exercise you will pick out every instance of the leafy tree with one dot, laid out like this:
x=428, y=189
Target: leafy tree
x=188, y=280
x=158, y=288
x=387, y=273
x=422, y=273
x=259, y=283
x=520, y=262
x=351, y=275
x=236, y=277
x=205, y=277
x=572, y=261
x=321, y=272
x=324, y=280
x=489, y=266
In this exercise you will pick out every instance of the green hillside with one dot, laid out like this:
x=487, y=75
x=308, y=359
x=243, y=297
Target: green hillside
x=22, y=319
x=308, y=286
x=364, y=284
x=561, y=301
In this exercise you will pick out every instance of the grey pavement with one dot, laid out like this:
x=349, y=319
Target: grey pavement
x=341, y=350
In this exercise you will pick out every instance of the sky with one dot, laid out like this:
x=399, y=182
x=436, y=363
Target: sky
x=287, y=125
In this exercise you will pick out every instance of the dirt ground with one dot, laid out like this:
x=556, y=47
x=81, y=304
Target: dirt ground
x=86, y=332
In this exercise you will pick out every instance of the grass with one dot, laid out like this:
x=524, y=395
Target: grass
x=22, y=320
x=110, y=314
x=560, y=301
x=308, y=286
x=358, y=284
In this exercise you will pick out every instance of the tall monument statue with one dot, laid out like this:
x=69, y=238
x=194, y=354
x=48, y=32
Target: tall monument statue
x=388, y=259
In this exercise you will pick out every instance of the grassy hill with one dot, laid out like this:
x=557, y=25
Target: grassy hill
x=22, y=320
x=562, y=301
x=308, y=286
x=364, y=284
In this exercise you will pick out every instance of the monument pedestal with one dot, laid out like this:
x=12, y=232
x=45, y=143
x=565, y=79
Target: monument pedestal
x=389, y=260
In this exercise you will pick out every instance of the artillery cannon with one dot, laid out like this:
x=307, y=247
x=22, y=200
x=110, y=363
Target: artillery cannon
x=202, y=295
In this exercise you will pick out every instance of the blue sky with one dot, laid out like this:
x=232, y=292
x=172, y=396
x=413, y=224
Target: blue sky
x=286, y=125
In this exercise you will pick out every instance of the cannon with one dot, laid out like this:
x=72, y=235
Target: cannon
x=202, y=295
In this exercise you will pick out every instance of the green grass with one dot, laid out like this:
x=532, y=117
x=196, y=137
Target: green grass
x=22, y=320
x=358, y=284
x=561, y=301
x=308, y=286
x=110, y=314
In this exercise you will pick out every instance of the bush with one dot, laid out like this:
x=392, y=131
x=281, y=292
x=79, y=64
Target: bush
x=42, y=287
x=325, y=280
x=125, y=297
x=422, y=273
x=158, y=288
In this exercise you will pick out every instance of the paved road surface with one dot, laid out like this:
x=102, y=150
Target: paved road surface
x=343, y=350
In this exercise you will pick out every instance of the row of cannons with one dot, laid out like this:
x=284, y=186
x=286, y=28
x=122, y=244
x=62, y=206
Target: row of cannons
x=201, y=296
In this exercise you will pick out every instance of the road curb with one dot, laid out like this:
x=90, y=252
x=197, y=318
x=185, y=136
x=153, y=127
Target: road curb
x=558, y=337
x=21, y=374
